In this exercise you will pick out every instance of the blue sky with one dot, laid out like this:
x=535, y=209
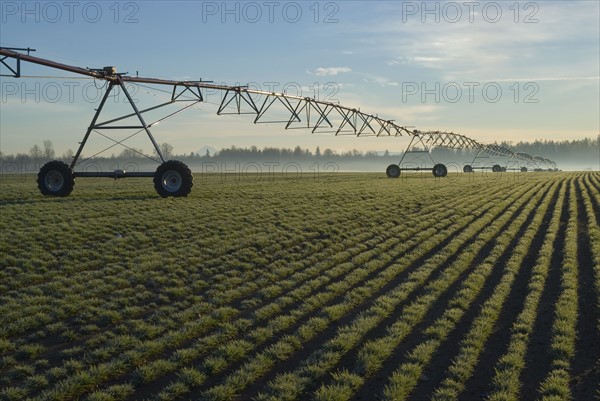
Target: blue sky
x=489, y=70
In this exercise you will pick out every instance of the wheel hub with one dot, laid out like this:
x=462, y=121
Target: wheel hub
x=54, y=180
x=172, y=181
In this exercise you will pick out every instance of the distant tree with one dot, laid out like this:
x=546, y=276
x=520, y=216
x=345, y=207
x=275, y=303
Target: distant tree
x=49, y=152
x=69, y=154
x=318, y=152
x=36, y=152
x=297, y=151
x=166, y=149
x=130, y=153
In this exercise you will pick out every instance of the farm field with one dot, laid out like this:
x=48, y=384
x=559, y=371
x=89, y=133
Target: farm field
x=336, y=287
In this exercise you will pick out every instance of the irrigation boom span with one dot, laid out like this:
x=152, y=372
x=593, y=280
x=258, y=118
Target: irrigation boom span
x=173, y=178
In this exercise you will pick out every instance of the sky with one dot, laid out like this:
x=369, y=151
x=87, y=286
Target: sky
x=490, y=70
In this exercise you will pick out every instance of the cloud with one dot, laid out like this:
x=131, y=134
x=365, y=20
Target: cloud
x=470, y=51
x=379, y=80
x=327, y=71
x=545, y=79
x=402, y=114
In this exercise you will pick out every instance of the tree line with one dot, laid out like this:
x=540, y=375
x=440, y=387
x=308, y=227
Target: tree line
x=586, y=149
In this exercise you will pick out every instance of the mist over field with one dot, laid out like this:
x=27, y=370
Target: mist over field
x=580, y=155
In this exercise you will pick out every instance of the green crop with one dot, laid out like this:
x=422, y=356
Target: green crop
x=345, y=287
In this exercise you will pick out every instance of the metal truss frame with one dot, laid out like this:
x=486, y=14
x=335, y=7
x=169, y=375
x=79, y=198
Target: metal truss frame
x=299, y=113
x=97, y=127
x=306, y=113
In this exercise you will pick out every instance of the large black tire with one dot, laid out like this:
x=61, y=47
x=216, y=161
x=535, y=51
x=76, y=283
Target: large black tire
x=55, y=178
x=439, y=170
x=467, y=169
x=173, y=178
x=393, y=171
x=496, y=168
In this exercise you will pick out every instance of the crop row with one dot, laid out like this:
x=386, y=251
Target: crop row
x=509, y=367
x=118, y=344
x=374, y=352
x=590, y=197
x=404, y=379
x=220, y=359
x=157, y=327
x=294, y=290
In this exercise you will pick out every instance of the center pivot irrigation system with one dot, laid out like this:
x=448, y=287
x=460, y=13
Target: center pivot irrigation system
x=174, y=178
